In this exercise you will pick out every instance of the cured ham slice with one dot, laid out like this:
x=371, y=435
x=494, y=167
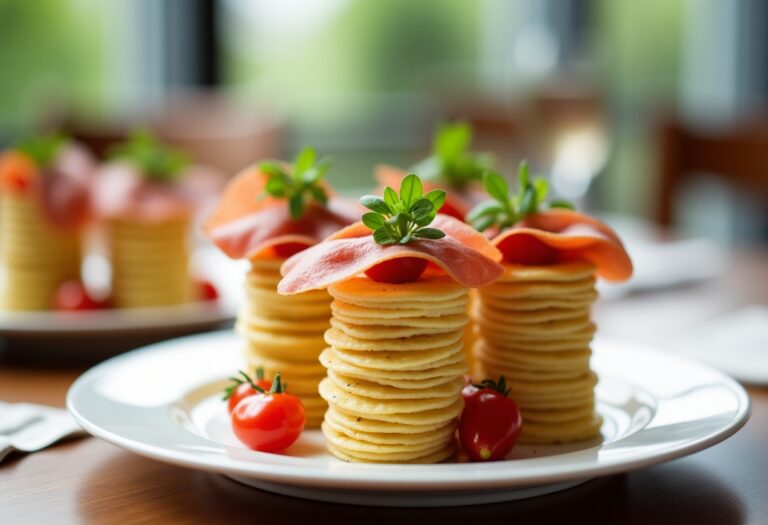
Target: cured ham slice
x=463, y=254
x=575, y=236
x=247, y=224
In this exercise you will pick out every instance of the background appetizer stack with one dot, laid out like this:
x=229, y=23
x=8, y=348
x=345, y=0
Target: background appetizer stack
x=395, y=361
x=534, y=322
x=43, y=194
x=148, y=212
x=266, y=214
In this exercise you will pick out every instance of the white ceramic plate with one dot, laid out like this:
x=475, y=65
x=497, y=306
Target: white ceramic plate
x=209, y=264
x=164, y=402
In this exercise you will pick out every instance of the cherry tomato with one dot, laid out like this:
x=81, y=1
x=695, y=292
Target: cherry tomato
x=490, y=423
x=469, y=391
x=398, y=271
x=289, y=248
x=449, y=209
x=71, y=296
x=247, y=386
x=269, y=422
x=526, y=249
x=207, y=291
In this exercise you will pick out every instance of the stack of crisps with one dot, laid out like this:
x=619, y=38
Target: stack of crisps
x=395, y=370
x=37, y=254
x=285, y=334
x=535, y=330
x=150, y=262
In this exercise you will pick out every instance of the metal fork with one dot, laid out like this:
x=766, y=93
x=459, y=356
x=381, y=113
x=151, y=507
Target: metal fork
x=28, y=428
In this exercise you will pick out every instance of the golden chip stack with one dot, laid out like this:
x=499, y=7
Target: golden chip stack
x=36, y=254
x=150, y=263
x=285, y=334
x=395, y=370
x=535, y=330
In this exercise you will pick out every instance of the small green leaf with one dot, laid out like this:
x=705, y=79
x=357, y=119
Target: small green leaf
x=42, y=148
x=296, y=205
x=484, y=209
x=437, y=197
x=561, y=203
x=522, y=174
x=317, y=172
x=382, y=236
x=374, y=221
x=483, y=223
x=276, y=187
x=430, y=168
x=528, y=201
x=541, y=187
x=411, y=190
x=377, y=204
x=452, y=139
x=304, y=160
x=496, y=186
x=272, y=169
x=423, y=209
x=391, y=198
x=429, y=233
x=319, y=195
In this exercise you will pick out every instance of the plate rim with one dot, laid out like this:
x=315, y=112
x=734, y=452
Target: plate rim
x=350, y=477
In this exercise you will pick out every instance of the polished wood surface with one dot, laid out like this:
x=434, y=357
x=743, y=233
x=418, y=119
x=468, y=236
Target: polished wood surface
x=89, y=481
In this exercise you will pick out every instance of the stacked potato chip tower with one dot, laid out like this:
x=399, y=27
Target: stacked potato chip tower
x=150, y=263
x=285, y=334
x=395, y=367
x=37, y=255
x=535, y=330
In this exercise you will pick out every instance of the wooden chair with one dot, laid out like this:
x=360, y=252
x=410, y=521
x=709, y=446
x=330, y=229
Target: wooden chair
x=738, y=155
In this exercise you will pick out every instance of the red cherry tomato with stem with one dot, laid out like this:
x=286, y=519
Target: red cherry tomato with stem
x=398, y=271
x=270, y=421
x=490, y=423
x=244, y=386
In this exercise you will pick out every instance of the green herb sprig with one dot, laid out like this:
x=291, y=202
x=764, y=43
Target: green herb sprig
x=236, y=381
x=302, y=185
x=504, y=210
x=42, y=148
x=399, y=219
x=451, y=160
x=158, y=162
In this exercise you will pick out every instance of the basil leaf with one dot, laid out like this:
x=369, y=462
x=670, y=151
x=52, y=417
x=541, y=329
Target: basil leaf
x=528, y=201
x=411, y=190
x=296, y=205
x=304, y=160
x=496, y=186
x=422, y=209
x=437, y=197
x=541, y=187
x=275, y=187
x=271, y=169
x=392, y=200
x=319, y=195
x=561, y=203
x=452, y=139
x=374, y=221
x=429, y=233
x=374, y=203
x=483, y=223
x=484, y=209
x=522, y=175
x=382, y=236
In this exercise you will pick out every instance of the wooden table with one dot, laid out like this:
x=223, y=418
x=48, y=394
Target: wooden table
x=87, y=480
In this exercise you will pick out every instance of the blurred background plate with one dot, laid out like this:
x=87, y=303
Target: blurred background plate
x=59, y=337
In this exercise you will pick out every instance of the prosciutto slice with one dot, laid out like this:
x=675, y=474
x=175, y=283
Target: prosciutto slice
x=247, y=224
x=463, y=254
x=576, y=236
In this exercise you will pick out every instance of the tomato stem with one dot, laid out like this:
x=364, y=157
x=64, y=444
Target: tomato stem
x=278, y=387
